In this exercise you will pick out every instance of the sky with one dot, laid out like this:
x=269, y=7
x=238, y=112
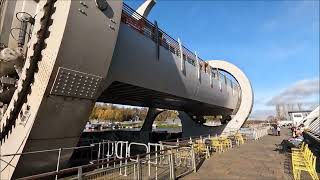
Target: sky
x=276, y=43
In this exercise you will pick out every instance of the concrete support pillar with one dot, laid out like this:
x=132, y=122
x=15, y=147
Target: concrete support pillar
x=192, y=127
x=151, y=116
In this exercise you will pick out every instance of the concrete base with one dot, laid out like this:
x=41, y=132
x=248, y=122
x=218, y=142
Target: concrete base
x=192, y=128
x=151, y=116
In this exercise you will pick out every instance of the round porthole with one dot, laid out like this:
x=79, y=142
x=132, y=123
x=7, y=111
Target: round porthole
x=102, y=4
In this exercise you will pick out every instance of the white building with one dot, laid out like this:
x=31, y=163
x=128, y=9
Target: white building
x=297, y=116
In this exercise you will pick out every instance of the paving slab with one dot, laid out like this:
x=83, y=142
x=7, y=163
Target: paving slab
x=260, y=159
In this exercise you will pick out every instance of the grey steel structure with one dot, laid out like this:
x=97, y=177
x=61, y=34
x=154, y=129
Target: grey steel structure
x=60, y=57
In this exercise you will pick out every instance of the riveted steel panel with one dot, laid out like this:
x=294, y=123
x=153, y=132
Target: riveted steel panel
x=77, y=84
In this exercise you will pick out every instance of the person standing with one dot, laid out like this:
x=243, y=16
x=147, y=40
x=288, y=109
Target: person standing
x=278, y=130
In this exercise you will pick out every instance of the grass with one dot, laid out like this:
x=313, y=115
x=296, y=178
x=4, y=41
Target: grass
x=167, y=126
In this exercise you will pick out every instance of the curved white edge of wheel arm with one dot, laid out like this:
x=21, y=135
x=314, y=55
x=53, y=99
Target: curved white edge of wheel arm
x=247, y=96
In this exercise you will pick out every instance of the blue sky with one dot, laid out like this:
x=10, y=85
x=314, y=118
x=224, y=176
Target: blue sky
x=276, y=43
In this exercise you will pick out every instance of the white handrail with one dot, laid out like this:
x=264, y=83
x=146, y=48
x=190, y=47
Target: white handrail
x=137, y=144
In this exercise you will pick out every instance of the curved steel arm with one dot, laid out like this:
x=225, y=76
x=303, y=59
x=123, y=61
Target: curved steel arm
x=246, y=93
x=146, y=7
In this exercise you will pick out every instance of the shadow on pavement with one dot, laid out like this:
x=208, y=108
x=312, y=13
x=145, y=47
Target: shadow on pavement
x=284, y=148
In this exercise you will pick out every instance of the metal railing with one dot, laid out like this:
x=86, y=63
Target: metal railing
x=255, y=133
x=150, y=30
x=110, y=154
x=168, y=164
x=164, y=160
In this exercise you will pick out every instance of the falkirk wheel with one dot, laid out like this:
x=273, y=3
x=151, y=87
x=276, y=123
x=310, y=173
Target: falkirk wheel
x=58, y=58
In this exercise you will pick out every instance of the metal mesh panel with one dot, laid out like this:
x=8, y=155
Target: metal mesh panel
x=159, y=168
x=183, y=162
x=199, y=158
x=129, y=171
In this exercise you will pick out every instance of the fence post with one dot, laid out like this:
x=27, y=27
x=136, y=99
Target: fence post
x=171, y=164
x=99, y=152
x=120, y=156
x=102, y=153
x=80, y=173
x=126, y=160
x=58, y=162
x=193, y=156
x=149, y=162
x=139, y=174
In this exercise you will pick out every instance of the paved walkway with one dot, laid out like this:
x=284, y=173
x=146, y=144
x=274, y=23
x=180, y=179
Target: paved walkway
x=260, y=159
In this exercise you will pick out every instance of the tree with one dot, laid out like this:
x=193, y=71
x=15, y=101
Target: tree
x=111, y=112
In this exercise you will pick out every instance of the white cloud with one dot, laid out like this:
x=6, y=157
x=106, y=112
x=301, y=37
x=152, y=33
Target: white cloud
x=303, y=91
x=261, y=114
